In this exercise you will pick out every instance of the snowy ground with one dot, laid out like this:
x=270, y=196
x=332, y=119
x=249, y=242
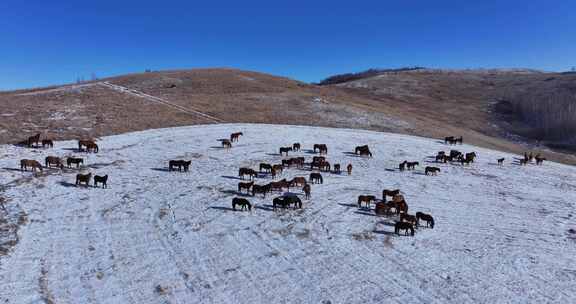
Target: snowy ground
x=502, y=234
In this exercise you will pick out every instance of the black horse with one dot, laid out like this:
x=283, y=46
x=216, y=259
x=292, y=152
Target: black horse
x=101, y=179
x=242, y=202
x=425, y=217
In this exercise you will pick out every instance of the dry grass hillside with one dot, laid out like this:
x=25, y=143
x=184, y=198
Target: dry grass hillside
x=426, y=103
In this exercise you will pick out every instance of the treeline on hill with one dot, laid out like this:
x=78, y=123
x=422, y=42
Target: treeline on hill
x=341, y=78
x=551, y=116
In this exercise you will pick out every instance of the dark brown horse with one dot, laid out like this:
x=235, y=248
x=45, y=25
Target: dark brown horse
x=102, y=180
x=540, y=160
x=261, y=189
x=83, y=179
x=298, y=181
x=285, y=150
x=246, y=186
x=391, y=193
x=448, y=139
x=53, y=160
x=33, y=164
x=47, y=143
x=180, y=164
x=412, y=165
x=242, y=202
x=365, y=199
x=266, y=167
x=296, y=146
x=363, y=151
x=431, y=170
x=74, y=160
x=501, y=161
x=349, y=169
x=425, y=217
x=90, y=145
x=470, y=156
x=325, y=166
x=407, y=227
x=322, y=148
x=405, y=217
x=286, y=201
x=337, y=169
x=33, y=139
x=247, y=171
x=316, y=178
x=235, y=136
x=279, y=185
x=307, y=190
x=226, y=144
x=278, y=168
x=402, y=166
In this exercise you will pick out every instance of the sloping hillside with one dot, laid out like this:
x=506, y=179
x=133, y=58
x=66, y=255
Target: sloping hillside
x=502, y=233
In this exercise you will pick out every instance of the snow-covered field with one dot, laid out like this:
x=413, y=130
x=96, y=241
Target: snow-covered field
x=502, y=234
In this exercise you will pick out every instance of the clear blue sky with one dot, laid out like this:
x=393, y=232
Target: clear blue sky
x=51, y=42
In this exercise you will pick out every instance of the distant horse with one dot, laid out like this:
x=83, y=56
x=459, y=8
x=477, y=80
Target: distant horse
x=226, y=144
x=404, y=226
x=363, y=150
x=261, y=189
x=402, y=166
x=53, y=160
x=322, y=148
x=501, y=161
x=318, y=159
x=431, y=170
x=470, y=156
x=337, y=169
x=448, y=139
x=405, y=217
x=298, y=181
x=441, y=158
x=365, y=199
x=279, y=185
x=266, y=167
x=247, y=171
x=316, y=178
x=299, y=162
x=307, y=189
x=382, y=208
x=425, y=217
x=89, y=144
x=296, y=146
x=235, y=136
x=285, y=150
x=325, y=166
x=47, y=143
x=391, y=193
x=83, y=179
x=540, y=160
x=458, y=140
x=242, y=202
x=74, y=160
x=286, y=201
x=412, y=165
x=246, y=186
x=349, y=169
x=455, y=153
x=401, y=206
x=102, y=180
x=278, y=168
x=33, y=139
x=180, y=164
x=523, y=162
x=33, y=164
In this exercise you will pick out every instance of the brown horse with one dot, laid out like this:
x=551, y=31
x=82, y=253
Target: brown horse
x=400, y=206
x=235, y=136
x=180, y=164
x=316, y=178
x=365, y=199
x=286, y=201
x=501, y=161
x=405, y=217
x=285, y=150
x=322, y=148
x=74, y=160
x=278, y=168
x=246, y=186
x=83, y=179
x=325, y=166
x=296, y=146
x=349, y=169
x=363, y=151
x=404, y=226
x=226, y=144
x=242, y=202
x=431, y=170
x=470, y=156
x=102, y=180
x=25, y=163
x=412, y=165
x=261, y=189
x=391, y=193
x=298, y=181
x=337, y=169
x=33, y=139
x=279, y=185
x=89, y=144
x=425, y=217
x=382, y=208
x=307, y=190
x=53, y=160
x=47, y=143
x=247, y=171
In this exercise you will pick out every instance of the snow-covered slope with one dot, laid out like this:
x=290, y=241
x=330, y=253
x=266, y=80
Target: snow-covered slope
x=502, y=234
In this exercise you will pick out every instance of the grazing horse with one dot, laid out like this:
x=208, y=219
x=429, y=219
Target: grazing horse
x=402, y=166
x=349, y=169
x=54, y=160
x=235, y=136
x=458, y=140
x=470, y=156
x=102, y=180
x=404, y=226
x=296, y=146
x=286, y=201
x=298, y=181
x=325, y=166
x=83, y=178
x=401, y=206
x=365, y=199
x=226, y=144
x=246, y=186
x=89, y=144
x=316, y=178
x=322, y=148
x=307, y=189
x=448, y=139
x=501, y=161
x=441, y=158
x=405, y=217
x=33, y=139
x=74, y=160
x=25, y=163
x=279, y=185
x=337, y=169
x=266, y=167
x=181, y=164
x=242, y=202
x=425, y=217
x=431, y=170
x=455, y=153
x=299, y=161
x=391, y=193
x=539, y=160
x=285, y=150
x=247, y=171
x=261, y=189
x=363, y=150
x=47, y=143
x=412, y=165
x=382, y=208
